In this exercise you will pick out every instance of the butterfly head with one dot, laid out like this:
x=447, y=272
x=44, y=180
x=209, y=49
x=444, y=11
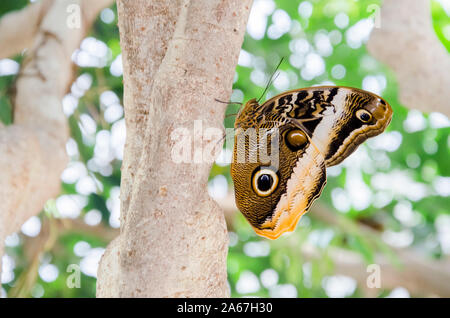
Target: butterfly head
x=247, y=115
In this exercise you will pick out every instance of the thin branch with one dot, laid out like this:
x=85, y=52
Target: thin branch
x=52, y=229
x=419, y=274
x=18, y=28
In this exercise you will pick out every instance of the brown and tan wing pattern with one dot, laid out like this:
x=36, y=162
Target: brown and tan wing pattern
x=334, y=121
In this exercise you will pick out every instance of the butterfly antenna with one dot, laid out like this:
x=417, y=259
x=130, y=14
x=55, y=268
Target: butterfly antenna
x=229, y=115
x=228, y=103
x=271, y=79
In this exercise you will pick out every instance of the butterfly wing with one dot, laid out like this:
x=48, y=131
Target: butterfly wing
x=326, y=115
x=300, y=178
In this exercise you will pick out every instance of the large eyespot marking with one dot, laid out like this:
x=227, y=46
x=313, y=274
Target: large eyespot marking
x=363, y=115
x=296, y=139
x=264, y=182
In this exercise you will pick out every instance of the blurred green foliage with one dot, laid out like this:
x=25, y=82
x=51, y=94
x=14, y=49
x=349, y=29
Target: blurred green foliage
x=256, y=266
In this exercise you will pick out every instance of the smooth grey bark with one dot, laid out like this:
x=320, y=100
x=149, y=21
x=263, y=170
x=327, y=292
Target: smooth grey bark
x=178, y=56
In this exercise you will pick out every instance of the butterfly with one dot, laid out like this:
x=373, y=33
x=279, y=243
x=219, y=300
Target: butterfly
x=283, y=146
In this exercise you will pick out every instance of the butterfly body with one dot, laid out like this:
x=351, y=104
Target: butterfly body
x=305, y=130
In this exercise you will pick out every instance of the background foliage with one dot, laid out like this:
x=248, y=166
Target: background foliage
x=398, y=183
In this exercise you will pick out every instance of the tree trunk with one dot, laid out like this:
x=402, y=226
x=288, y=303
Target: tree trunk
x=178, y=56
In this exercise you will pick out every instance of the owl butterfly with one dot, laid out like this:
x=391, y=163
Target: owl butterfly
x=312, y=129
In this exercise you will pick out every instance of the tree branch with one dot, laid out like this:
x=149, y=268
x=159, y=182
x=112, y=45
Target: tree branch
x=33, y=148
x=420, y=275
x=47, y=241
x=406, y=41
x=18, y=28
